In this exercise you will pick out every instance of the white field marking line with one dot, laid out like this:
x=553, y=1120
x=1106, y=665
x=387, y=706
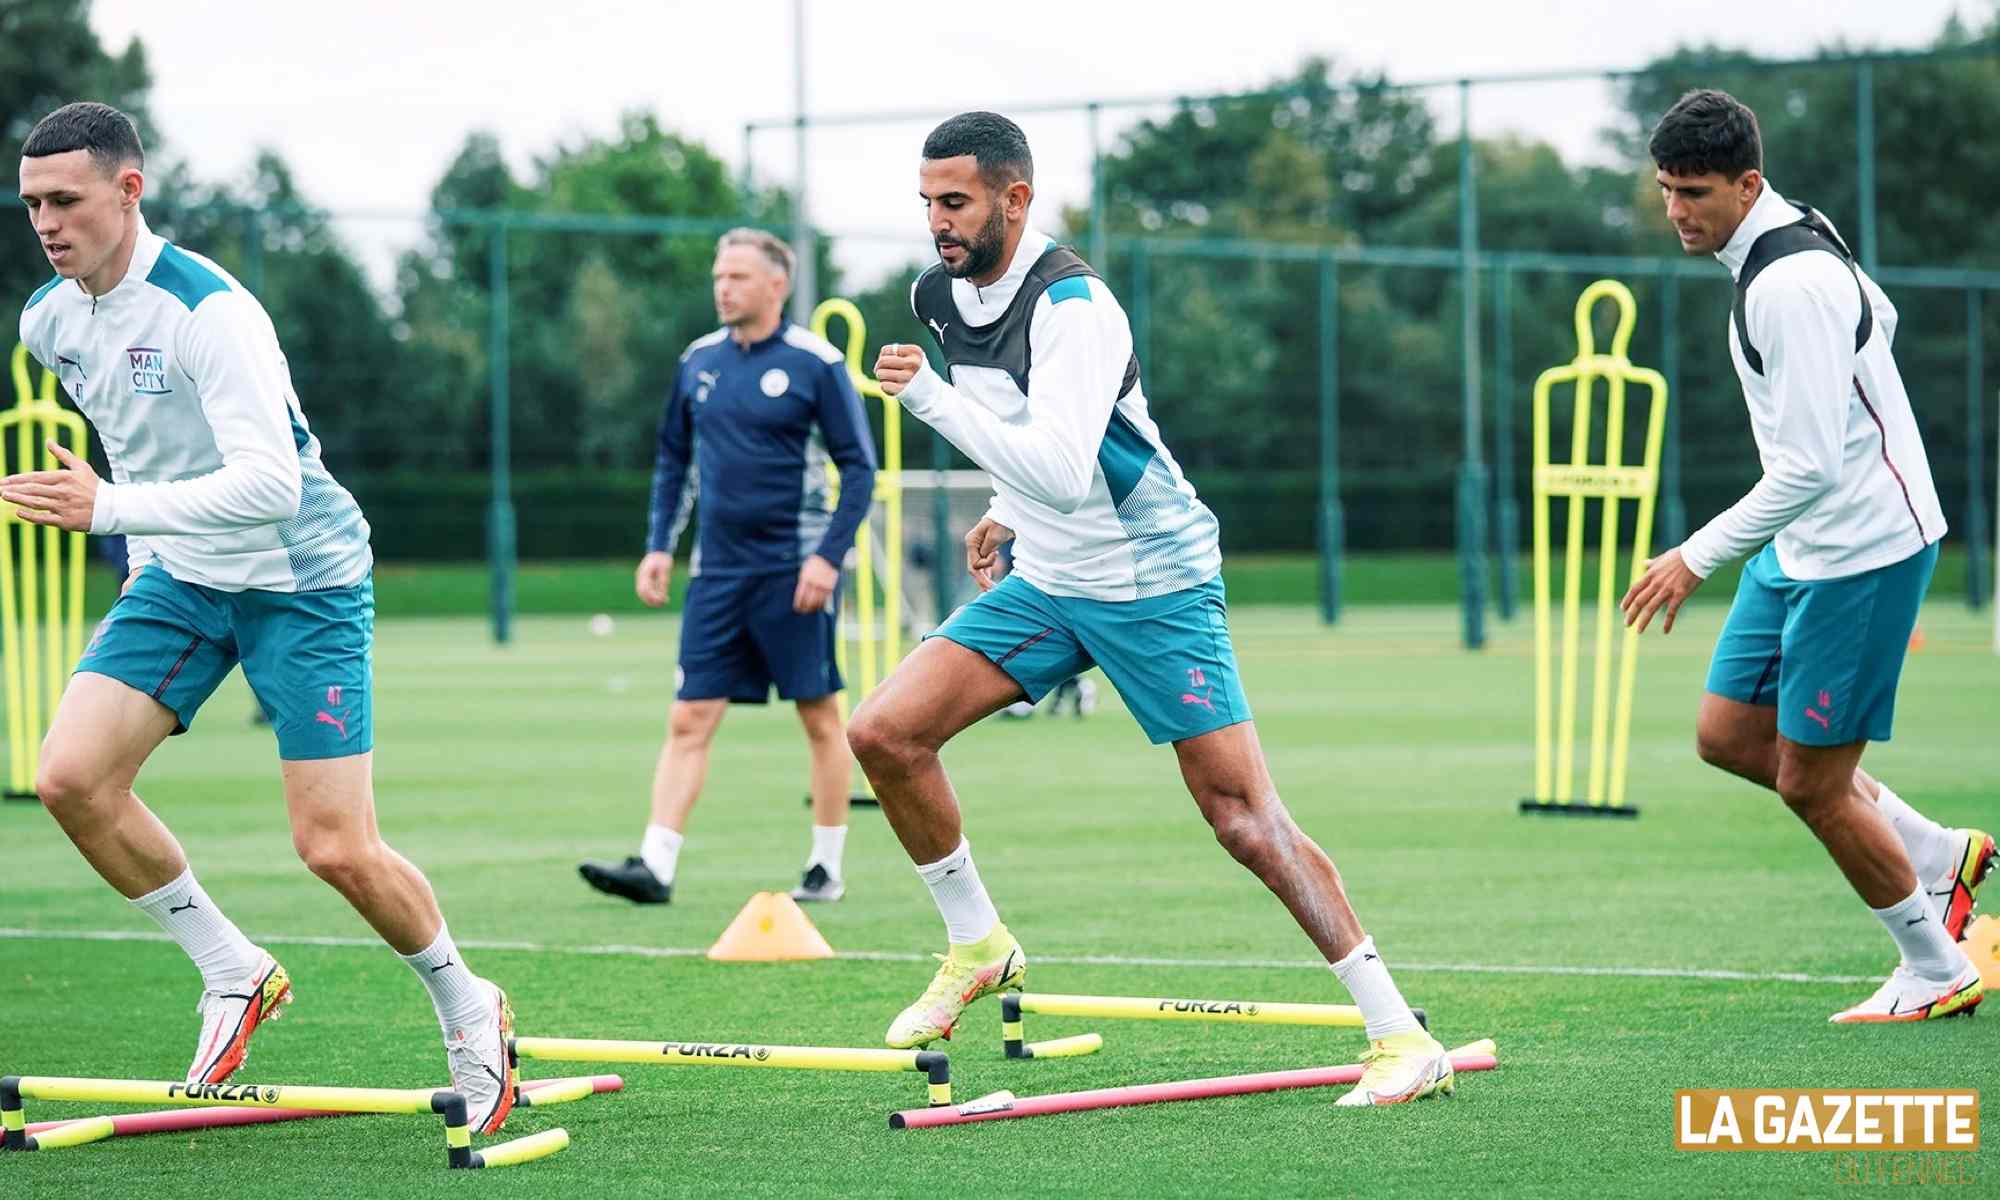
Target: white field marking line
x=1072, y=960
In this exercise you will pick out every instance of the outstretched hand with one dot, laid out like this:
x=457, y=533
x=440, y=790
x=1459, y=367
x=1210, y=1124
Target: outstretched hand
x=1666, y=584
x=66, y=499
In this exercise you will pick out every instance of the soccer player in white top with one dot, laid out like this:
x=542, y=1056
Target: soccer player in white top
x=1115, y=563
x=243, y=550
x=1805, y=671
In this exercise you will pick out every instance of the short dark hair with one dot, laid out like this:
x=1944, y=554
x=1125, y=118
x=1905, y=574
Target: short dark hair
x=1708, y=132
x=996, y=143
x=109, y=135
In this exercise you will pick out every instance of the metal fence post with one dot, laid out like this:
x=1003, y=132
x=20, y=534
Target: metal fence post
x=1332, y=520
x=500, y=539
x=1864, y=150
x=1097, y=216
x=1472, y=485
x=1975, y=451
x=1507, y=514
x=1673, y=504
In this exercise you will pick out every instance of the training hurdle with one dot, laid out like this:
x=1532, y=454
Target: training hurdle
x=933, y=1064
x=1154, y=1008
x=1478, y=1056
x=537, y=1093
x=459, y=1154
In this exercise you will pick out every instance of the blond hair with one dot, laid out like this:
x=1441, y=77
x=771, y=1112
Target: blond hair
x=769, y=244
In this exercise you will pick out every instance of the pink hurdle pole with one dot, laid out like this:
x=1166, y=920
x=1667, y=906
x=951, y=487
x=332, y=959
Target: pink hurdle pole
x=1150, y=1093
x=181, y=1120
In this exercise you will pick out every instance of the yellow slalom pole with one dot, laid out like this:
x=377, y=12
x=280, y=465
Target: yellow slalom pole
x=20, y=772
x=1642, y=549
x=1609, y=482
x=31, y=616
x=889, y=489
x=522, y=1150
x=864, y=605
x=1244, y=1012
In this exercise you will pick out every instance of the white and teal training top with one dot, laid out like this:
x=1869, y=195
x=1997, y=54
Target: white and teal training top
x=214, y=473
x=1099, y=508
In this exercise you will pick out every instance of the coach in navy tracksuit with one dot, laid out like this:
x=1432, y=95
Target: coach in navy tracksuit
x=757, y=410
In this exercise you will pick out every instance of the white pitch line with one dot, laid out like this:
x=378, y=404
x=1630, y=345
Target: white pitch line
x=1072, y=960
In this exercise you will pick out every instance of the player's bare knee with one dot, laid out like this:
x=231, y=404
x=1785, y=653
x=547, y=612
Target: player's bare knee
x=67, y=785
x=1809, y=798
x=1717, y=749
x=874, y=743
x=689, y=725
x=335, y=856
x=1248, y=829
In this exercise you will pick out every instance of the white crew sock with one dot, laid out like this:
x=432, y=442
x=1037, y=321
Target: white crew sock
x=1926, y=948
x=660, y=850
x=829, y=843
x=961, y=898
x=1366, y=978
x=461, y=999
x=212, y=940
x=1928, y=843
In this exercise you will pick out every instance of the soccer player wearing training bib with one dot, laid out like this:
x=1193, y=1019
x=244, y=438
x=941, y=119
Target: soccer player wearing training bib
x=1116, y=563
x=1804, y=674
x=243, y=550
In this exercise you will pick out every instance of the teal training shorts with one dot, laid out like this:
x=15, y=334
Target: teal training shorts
x=1827, y=652
x=308, y=656
x=1169, y=656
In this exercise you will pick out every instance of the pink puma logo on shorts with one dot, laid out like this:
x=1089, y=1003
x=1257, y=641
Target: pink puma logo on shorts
x=326, y=718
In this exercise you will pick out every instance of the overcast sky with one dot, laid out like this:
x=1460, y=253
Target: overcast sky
x=368, y=100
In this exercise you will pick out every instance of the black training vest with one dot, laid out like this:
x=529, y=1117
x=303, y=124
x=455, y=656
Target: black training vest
x=1003, y=343
x=1811, y=232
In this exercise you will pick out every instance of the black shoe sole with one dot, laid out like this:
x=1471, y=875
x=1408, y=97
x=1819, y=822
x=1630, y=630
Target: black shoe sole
x=612, y=885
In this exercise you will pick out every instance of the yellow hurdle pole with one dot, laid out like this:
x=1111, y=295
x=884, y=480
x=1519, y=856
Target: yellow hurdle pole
x=743, y=1054
x=1015, y=1005
x=16, y=1089
x=1642, y=546
x=522, y=1149
x=1150, y=1008
x=77, y=1133
x=561, y=1091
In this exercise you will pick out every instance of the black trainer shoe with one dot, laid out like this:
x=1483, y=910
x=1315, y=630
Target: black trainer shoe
x=630, y=879
x=819, y=885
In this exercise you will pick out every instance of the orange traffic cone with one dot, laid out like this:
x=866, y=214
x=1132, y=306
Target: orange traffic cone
x=1917, y=638
x=1982, y=946
x=771, y=928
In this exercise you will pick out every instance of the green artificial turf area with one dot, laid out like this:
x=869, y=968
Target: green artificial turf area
x=1702, y=945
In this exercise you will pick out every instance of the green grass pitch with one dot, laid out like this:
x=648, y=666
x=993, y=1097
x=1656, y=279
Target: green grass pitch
x=1701, y=945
